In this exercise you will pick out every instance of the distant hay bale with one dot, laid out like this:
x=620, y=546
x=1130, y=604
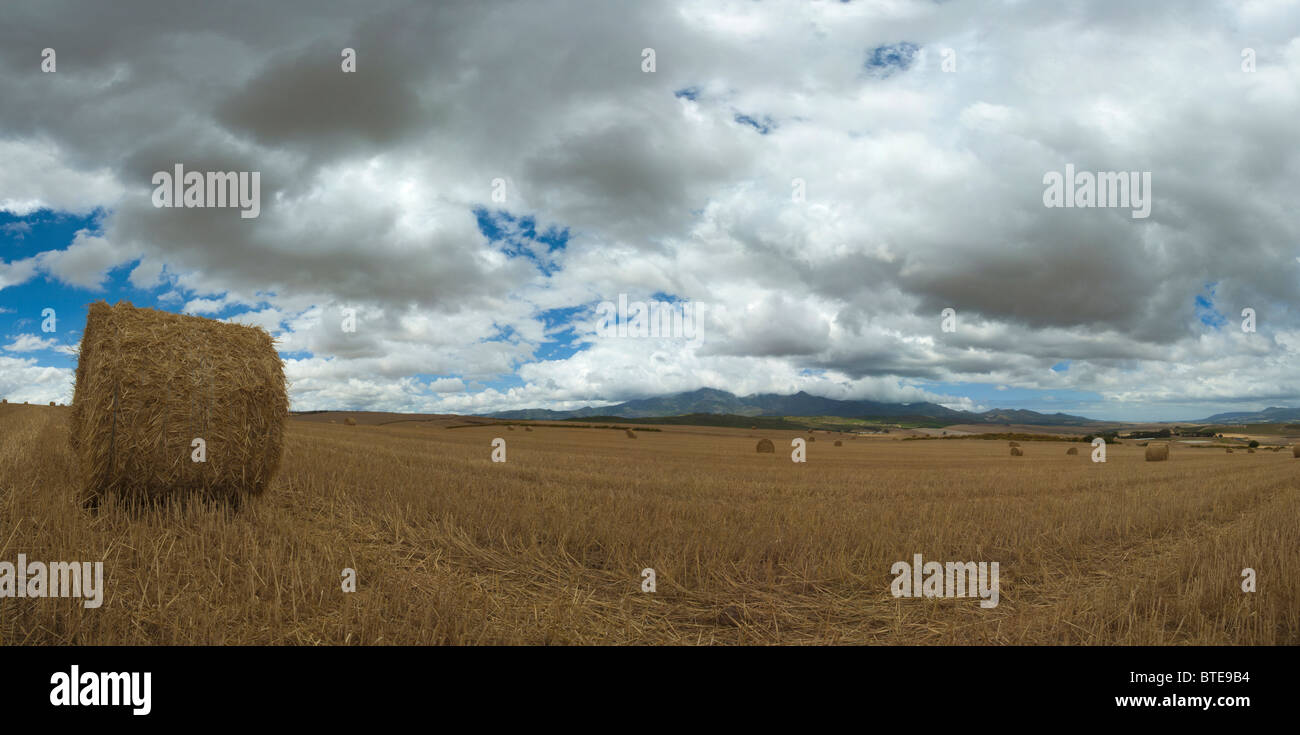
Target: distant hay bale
x=630, y=434
x=350, y=421
x=509, y=427
x=1228, y=450
x=752, y=428
x=1072, y=450
x=52, y=403
x=528, y=428
x=1015, y=452
x=1157, y=452
x=839, y=443
x=1013, y=444
x=1295, y=451
x=812, y=438
x=332, y=421
x=1250, y=451
x=149, y=382
x=765, y=446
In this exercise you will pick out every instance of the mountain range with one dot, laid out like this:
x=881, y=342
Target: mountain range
x=1275, y=415
x=713, y=401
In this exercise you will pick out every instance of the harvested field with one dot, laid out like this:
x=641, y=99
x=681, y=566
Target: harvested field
x=748, y=548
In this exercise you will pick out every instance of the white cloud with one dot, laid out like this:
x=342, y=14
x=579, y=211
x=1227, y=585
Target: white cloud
x=31, y=343
x=21, y=379
x=85, y=262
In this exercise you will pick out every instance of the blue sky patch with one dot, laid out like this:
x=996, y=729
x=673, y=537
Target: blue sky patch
x=763, y=125
x=1206, y=311
x=890, y=58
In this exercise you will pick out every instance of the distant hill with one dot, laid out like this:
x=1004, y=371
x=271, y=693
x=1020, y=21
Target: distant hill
x=712, y=401
x=1276, y=415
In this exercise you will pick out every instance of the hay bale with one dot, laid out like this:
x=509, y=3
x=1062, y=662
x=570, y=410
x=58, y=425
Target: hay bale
x=52, y=403
x=509, y=427
x=1013, y=444
x=149, y=382
x=1072, y=450
x=839, y=443
x=1250, y=451
x=527, y=428
x=812, y=438
x=1295, y=451
x=1157, y=452
x=765, y=446
x=349, y=421
x=1015, y=452
x=630, y=434
x=1228, y=450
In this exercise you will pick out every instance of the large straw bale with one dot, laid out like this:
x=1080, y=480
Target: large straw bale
x=1157, y=452
x=149, y=382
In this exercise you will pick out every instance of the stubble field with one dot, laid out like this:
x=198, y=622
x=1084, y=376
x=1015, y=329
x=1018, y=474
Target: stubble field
x=548, y=547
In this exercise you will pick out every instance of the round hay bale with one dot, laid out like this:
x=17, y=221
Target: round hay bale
x=1295, y=451
x=349, y=421
x=1072, y=450
x=812, y=438
x=1250, y=451
x=528, y=428
x=1228, y=450
x=765, y=446
x=1015, y=452
x=630, y=434
x=149, y=382
x=52, y=403
x=839, y=443
x=509, y=427
x=1013, y=444
x=1157, y=452
x=332, y=421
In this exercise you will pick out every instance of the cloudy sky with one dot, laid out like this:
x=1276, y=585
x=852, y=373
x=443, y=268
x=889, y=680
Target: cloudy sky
x=824, y=177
